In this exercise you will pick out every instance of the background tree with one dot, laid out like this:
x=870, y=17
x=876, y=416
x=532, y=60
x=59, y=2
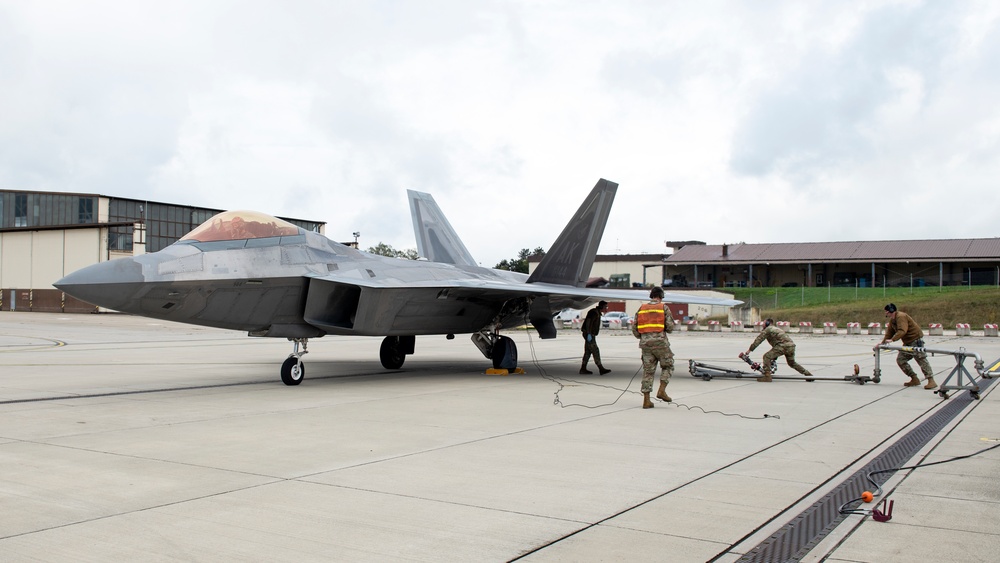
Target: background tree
x=383, y=249
x=519, y=264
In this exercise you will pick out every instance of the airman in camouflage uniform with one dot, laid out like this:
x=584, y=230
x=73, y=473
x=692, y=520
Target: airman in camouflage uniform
x=902, y=327
x=651, y=324
x=781, y=345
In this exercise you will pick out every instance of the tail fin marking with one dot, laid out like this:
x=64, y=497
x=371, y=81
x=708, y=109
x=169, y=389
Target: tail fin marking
x=571, y=257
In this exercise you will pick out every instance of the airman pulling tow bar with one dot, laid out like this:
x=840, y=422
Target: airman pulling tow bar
x=959, y=370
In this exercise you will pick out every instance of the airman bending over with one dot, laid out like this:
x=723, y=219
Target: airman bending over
x=781, y=345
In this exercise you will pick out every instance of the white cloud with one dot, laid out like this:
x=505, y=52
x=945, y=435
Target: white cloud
x=757, y=123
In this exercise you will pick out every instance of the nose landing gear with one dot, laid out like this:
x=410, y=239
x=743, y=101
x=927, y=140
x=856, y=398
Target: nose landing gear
x=293, y=370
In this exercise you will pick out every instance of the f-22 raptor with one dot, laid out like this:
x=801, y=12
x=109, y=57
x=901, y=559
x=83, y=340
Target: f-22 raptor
x=255, y=273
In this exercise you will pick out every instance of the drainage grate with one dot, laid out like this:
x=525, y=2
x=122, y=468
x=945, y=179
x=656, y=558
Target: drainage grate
x=799, y=536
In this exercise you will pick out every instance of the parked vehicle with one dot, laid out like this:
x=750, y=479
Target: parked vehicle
x=616, y=319
x=566, y=317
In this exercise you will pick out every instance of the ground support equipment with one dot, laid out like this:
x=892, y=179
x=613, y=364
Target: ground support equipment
x=756, y=366
x=960, y=370
x=707, y=372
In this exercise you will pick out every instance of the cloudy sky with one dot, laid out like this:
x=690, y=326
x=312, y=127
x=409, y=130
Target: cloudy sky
x=721, y=121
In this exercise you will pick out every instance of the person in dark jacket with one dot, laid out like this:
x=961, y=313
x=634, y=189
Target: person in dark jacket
x=592, y=326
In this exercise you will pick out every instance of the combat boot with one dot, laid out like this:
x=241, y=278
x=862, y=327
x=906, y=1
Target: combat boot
x=662, y=393
x=766, y=378
x=930, y=383
x=584, y=370
x=646, y=403
x=602, y=371
x=914, y=381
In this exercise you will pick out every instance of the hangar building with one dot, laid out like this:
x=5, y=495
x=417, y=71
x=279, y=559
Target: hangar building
x=46, y=235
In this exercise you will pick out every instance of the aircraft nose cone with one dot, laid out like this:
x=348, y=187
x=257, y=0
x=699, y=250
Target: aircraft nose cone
x=108, y=284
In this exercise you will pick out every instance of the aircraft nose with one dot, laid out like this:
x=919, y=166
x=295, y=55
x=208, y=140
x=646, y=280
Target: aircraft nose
x=108, y=284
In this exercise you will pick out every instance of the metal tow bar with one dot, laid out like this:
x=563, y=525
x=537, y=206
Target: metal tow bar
x=707, y=372
x=960, y=370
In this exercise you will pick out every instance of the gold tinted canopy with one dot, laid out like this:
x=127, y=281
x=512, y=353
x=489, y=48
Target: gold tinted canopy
x=238, y=225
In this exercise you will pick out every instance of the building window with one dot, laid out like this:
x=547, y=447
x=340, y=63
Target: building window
x=20, y=210
x=86, y=211
x=120, y=239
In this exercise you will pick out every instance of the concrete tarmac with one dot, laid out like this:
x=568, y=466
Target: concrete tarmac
x=129, y=439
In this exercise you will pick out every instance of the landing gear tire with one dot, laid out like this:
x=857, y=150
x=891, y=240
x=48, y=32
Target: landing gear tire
x=391, y=353
x=292, y=371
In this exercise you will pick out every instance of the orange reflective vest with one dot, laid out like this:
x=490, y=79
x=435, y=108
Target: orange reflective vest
x=651, y=318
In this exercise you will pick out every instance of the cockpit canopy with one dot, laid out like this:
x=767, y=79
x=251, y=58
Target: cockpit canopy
x=240, y=225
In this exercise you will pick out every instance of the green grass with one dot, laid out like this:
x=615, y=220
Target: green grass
x=975, y=305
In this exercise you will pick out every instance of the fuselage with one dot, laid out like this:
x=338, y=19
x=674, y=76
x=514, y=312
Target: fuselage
x=295, y=285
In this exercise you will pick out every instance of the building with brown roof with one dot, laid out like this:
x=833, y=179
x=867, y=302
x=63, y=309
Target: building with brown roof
x=890, y=263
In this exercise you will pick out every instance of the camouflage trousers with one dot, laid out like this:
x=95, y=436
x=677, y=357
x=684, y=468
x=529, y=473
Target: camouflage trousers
x=590, y=348
x=904, y=357
x=786, y=350
x=652, y=355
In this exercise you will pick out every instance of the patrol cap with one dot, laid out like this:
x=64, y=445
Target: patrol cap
x=891, y=308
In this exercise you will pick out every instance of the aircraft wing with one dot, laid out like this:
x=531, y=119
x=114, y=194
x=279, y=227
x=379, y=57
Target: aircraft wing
x=508, y=290
x=340, y=305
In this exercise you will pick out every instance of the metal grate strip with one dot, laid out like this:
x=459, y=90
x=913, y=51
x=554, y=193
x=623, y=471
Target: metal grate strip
x=800, y=535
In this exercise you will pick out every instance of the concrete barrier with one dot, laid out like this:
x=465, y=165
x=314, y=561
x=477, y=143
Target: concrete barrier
x=853, y=328
x=805, y=327
x=989, y=330
x=758, y=326
x=714, y=326
x=736, y=326
x=935, y=329
x=963, y=329
x=829, y=328
x=874, y=328
x=693, y=326
x=783, y=325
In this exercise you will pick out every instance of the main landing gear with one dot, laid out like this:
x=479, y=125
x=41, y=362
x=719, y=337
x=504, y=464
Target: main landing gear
x=394, y=349
x=501, y=350
x=293, y=370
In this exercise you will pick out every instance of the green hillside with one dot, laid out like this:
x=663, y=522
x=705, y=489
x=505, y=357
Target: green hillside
x=975, y=305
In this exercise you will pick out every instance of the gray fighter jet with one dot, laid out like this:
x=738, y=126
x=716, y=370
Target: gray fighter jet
x=252, y=272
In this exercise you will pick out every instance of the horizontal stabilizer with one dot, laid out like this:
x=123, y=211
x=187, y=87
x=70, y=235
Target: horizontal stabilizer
x=571, y=257
x=436, y=240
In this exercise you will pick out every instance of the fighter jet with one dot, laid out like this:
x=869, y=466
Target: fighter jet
x=251, y=272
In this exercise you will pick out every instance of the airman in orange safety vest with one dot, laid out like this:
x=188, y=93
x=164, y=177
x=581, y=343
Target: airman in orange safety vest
x=651, y=324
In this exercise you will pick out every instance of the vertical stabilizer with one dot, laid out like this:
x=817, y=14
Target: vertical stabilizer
x=436, y=240
x=571, y=257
